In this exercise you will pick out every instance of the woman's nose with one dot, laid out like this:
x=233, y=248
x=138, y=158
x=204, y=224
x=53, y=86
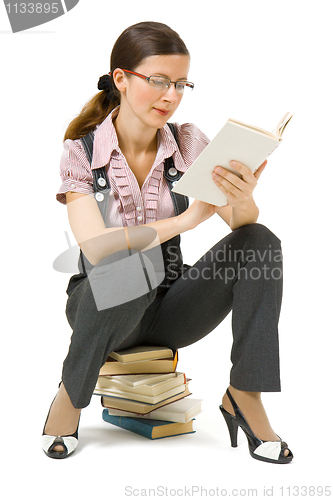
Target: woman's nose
x=171, y=94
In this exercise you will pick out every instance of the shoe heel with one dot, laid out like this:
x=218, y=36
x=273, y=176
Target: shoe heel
x=232, y=426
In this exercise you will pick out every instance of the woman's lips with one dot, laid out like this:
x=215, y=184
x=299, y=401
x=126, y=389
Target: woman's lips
x=162, y=112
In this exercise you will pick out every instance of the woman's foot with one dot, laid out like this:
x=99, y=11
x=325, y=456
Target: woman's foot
x=252, y=408
x=63, y=418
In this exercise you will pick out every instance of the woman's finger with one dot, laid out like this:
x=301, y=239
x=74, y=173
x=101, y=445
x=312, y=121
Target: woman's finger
x=223, y=173
x=240, y=192
x=229, y=180
x=260, y=170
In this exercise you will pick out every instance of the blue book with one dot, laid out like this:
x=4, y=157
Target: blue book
x=152, y=429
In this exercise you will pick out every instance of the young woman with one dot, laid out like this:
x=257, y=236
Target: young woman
x=146, y=83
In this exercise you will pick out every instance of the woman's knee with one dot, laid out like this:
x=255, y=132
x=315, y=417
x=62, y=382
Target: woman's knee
x=258, y=235
x=253, y=244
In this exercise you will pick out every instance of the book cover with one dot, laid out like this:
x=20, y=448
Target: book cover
x=182, y=410
x=142, y=398
x=151, y=429
x=138, y=379
x=113, y=367
x=137, y=406
x=111, y=385
x=141, y=353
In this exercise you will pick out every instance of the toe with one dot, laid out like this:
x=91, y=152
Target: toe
x=59, y=448
x=285, y=451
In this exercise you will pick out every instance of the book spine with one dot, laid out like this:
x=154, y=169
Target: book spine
x=128, y=424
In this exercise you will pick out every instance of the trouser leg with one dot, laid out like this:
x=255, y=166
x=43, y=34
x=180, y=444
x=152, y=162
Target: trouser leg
x=242, y=272
x=257, y=297
x=95, y=335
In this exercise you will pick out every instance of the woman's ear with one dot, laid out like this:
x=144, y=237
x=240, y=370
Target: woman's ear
x=119, y=79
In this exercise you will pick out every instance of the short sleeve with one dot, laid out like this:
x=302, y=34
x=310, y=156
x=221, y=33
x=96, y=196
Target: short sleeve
x=191, y=142
x=75, y=171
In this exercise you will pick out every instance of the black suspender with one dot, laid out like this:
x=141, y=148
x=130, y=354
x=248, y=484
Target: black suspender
x=101, y=182
x=172, y=175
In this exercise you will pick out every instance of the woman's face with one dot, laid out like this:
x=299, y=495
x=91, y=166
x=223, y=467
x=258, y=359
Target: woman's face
x=151, y=106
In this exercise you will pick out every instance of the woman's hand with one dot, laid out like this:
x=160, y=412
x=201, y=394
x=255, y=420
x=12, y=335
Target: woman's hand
x=197, y=212
x=238, y=190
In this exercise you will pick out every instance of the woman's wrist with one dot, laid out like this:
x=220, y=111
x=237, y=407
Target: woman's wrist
x=181, y=223
x=243, y=214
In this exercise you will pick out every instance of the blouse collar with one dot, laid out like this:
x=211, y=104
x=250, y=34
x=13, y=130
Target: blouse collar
x=106, y=143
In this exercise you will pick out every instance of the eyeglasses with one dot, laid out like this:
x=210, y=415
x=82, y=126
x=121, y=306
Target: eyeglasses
x=161, y=83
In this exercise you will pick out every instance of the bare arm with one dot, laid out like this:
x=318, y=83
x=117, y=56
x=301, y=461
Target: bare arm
x=97, y=241
x=236, y=217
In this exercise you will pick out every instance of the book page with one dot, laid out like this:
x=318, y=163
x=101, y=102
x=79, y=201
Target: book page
x=252, y=127
x=282, y=125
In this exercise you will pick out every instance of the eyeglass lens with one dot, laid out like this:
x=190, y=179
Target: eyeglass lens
x=160, y=83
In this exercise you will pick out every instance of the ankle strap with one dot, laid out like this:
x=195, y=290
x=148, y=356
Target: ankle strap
x=232, y=401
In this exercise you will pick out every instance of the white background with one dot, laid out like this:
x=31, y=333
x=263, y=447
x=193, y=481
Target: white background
x=253, y=61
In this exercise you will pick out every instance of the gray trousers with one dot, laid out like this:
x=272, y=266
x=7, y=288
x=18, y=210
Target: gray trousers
x=242, y=273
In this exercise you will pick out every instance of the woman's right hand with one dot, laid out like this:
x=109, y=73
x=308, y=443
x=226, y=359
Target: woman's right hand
x=197, y=212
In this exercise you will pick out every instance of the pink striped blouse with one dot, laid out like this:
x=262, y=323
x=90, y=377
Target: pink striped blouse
x=128, y=204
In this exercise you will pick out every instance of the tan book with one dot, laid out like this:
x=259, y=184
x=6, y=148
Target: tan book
x=179, y=411
x=137, y=406
x=141, y=353
x=138, y=379
x=141, y=397
x=113, y=367
x=109, y=386
x=238, y=141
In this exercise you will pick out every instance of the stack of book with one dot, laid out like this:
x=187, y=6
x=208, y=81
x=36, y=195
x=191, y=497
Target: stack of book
x=141, y=391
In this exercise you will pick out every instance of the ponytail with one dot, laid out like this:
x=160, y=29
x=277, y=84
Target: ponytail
x=92, y=114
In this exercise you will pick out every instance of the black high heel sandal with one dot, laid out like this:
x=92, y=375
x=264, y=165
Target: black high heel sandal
x=69, y=442
x=266, y=451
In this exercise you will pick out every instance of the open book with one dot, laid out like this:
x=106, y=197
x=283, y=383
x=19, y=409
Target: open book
x=236, y=141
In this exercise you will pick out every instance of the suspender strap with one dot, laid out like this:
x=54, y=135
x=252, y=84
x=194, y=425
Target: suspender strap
x=172, y=175
x=101, y=183
x=88, y=144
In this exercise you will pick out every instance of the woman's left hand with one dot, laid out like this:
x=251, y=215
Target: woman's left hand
x=237, y=189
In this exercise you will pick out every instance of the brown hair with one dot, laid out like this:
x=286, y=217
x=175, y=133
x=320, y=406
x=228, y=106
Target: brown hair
x=135, y=44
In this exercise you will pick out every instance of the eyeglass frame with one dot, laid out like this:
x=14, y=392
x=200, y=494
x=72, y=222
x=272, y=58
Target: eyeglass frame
x=188, y=84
